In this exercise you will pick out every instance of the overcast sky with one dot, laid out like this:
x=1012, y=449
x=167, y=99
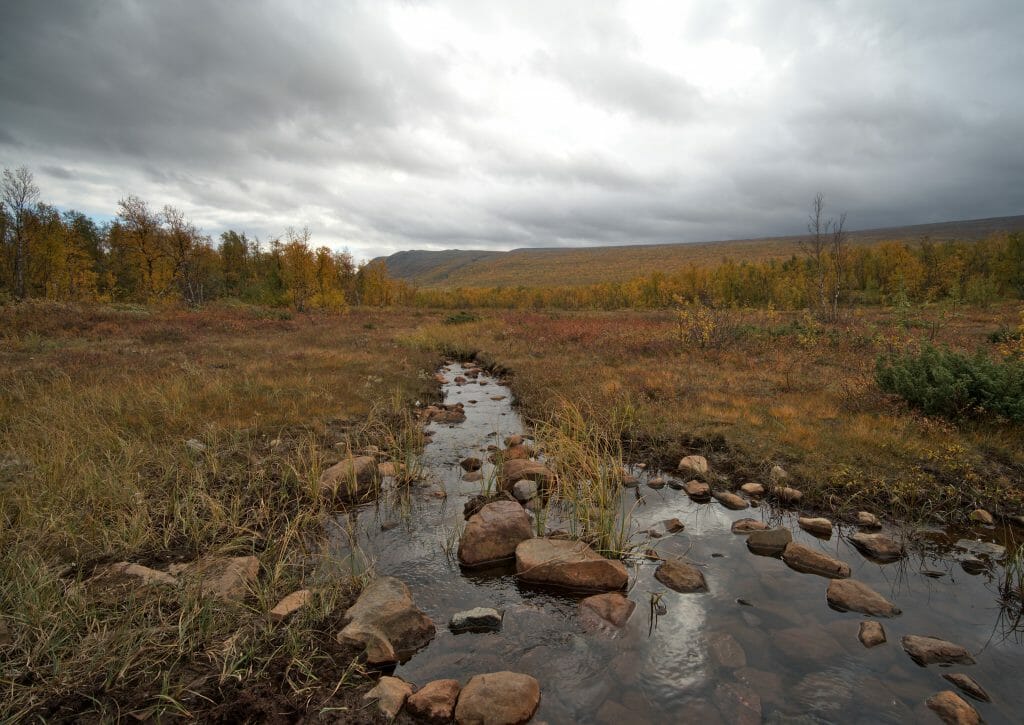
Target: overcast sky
x=431, y=125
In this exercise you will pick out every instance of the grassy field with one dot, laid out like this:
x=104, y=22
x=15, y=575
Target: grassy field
x=97, y=405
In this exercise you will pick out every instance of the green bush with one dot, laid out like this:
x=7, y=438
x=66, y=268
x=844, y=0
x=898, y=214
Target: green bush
x=943, y=382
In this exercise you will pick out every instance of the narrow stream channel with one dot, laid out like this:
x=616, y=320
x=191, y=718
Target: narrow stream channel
x=763, y=631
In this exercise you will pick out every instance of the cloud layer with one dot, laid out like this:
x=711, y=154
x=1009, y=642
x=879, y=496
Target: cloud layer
x=397, y=125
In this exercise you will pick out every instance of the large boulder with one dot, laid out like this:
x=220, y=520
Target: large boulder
x=390, y=693
x=934, y=651
x=434, y=702
x=493, y=533
x=350, y=478
x=878, y=547
x=386, y=623
x=498, y=698
x=569, y=564
x=518, y=469
x=810, y=561
x=953, y=709
x=769, y=542
x=679, y=576
x=850, y=595
x=604, y=611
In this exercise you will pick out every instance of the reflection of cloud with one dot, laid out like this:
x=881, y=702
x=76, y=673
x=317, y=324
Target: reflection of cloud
x=399, y=125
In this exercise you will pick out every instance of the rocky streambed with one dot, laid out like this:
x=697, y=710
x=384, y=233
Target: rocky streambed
x=734, y=609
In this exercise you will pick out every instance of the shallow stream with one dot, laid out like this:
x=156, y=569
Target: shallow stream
x=763, y=633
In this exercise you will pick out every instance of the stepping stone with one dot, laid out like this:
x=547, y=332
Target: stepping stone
x=697, y=490
x=817, y=526
x=609, y=610
x=569, y=564
x=770, y=542
x=850, y=595
x=478, y=619
x=493, y=533
x=730, y=500
x=878, y=547
x=809, y=561
x=785, y=494
x=434, y=702
x=968, y=685
x=498, y=698
x=934, y=651
x=680, y=576
x=871, y=633
x=953, y=709
x=752, y=489
x=746, y=526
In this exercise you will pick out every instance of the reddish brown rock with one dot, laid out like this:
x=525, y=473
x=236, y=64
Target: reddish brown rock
x=519, y=468
x=730, y=500
x=817, y=526
x=850, y=595
x=695, y=465
x=697, y=490
x=434, y=702
x=871, y=633
x=291, y=604
x=601, y=611
x=570, y=564
x=953, y=709
x=386, y=623
x=679, y=576
x=810, y=561
x=746, y=526
x=752, y=489
x=498, y=698
x=350, y=478
x=390, y=693
x=493, y=533
x=934, y=651
x=969, y=685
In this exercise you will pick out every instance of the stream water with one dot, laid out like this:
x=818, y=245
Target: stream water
x=763, y=633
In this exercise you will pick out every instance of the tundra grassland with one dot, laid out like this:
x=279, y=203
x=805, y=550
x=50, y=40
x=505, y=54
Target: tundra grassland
x=751, y=389
x=96, y=407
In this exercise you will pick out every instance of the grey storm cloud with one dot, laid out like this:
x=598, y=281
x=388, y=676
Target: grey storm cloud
x=394, y=125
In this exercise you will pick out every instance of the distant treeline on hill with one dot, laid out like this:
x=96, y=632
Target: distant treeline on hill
x=157, y=256
x=978, y=272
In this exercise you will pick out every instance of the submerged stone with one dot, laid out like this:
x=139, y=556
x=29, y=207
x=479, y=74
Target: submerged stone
x=478, y=619
x=850, y=595
x=770, y=542
x=934, y=651
x=809, y=561
x=871, y=633
x=680, y=576
x=953, y=709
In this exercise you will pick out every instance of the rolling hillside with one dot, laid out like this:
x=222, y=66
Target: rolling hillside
x=541, y=267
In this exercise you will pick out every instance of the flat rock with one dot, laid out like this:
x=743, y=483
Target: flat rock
x=752, y=489
x=726, y=651
x=953, y=709
x=570, y=564
x=981, y=548
x=697, y=490
x=291, y=604
x=730, y=500
x=769, y=542
x=697, y=465
x=982, y=516
x=524, y=490
x=878, y=547
x=144, y=574
x=871, y=633
x=434, y=702
x=663, y=528
x=223, y=577
x=386, y=623
x=850, y=595
x=817, y=526
x=968, y=685
x=679, y=576
x=478, y=619
x=867, y=520
x=787, y=494
x=519, y=468
x=390, y=694
x=746, y=526
x=609, y=610
x=498, y=698
x=493, y=533
x=934, y=651
x=810, y=561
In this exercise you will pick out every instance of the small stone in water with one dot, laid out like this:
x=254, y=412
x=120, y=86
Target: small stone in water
x=478, y=619
x=871, y=633
x=816, y=526
x=969, y=685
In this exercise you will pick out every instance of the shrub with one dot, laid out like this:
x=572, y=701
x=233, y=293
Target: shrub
x=943, y=382
x=461, y=317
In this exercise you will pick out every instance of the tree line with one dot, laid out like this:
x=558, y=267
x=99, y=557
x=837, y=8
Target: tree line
x=152, y=256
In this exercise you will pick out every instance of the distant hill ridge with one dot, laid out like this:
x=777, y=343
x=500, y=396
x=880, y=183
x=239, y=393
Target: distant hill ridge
x=550, y=266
